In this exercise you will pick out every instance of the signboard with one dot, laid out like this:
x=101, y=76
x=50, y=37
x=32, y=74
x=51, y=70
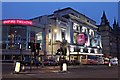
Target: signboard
x=17, y=22
x=95, y=42
x=82, y=38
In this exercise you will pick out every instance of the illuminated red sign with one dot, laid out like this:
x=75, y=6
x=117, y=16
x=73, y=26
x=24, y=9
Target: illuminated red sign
x=18, y=22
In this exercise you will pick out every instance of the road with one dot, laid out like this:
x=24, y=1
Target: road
x=81, y=71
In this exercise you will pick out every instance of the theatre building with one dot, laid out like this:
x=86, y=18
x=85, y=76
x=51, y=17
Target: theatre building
x=16, y=34
x=77, y=32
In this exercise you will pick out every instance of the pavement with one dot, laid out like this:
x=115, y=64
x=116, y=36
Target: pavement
x=80, y=71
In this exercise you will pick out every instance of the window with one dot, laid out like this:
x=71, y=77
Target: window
x=63, y=34
x=88, y=21
x=92, y=51
x=16, y=35
x=80, y=28
x=86, y=31
x=76, y=49
x=91, y=32
x=75, y=38
x=85, y=50
x=76, y=27
x=83, y=56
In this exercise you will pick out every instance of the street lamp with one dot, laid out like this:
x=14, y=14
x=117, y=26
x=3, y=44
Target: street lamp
x=52, y=32
x=55, y=30
x=20, y=51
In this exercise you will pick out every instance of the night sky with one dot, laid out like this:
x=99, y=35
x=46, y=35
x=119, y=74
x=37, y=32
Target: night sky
x=28, y=10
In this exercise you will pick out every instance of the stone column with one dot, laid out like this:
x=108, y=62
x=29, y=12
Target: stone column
x=71, y=31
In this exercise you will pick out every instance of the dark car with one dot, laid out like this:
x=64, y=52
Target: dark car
x=29, y=61
x=60, y=62
x=50, y=62
x=75, y=62
x=26, y=61
x=36, y=62
x=106, y=61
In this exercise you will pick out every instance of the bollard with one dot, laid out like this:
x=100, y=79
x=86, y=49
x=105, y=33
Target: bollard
x=109, y=64
x=23, y=68
x=17, y=67
x=64, y=67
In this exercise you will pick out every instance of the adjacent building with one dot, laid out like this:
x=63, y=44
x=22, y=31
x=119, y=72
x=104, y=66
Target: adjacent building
x=16, y=35
x=110, y=37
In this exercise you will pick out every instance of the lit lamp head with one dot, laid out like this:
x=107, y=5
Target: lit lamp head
x=55, y=30
x=37, y=34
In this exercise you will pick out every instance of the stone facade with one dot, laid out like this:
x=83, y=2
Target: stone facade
x=71, y=25
x=110, y=36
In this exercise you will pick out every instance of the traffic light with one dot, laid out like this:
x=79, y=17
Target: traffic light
x=33, y=47
x=38, y=48
x=37, y=45
x=29, y=45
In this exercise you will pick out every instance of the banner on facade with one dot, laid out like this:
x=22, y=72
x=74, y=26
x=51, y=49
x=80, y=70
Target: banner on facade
x=95, y=42
x=82, y=39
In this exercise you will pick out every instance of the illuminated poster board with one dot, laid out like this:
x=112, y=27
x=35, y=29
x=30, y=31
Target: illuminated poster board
x=82, y=39
x=95, y=42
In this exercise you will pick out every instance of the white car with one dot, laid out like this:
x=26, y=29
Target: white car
x=114, y=61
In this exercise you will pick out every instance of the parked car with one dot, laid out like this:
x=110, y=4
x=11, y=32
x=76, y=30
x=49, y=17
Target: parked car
x=36, y=63
x=100, y=60
x=114, y=61
x=33, y=62
x=92, y=61
x=106, y=61
x=75, y=62
x=26, y=61
x=64, y=61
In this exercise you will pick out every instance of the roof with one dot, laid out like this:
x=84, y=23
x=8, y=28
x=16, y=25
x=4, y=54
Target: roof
x=73, y=10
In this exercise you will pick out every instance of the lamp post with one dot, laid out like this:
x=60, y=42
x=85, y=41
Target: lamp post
x=69, y=51
x=20, y=51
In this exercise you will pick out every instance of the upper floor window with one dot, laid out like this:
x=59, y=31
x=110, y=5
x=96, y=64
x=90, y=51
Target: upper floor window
x=84, y=30
x=88, y=21
x=76, y=27
x=75, y=38
x=91, y=32
x=63, y=33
